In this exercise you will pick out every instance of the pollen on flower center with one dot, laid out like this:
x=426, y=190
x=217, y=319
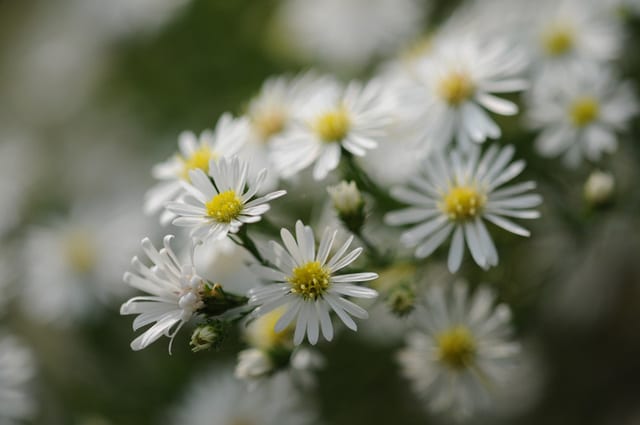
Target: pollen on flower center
x=80, y=252
x=455, y=88
x=584, y=110
x=332, y=126
x=197, y=160
x=558, y=40
x=456, y=348
x=463, y=203
x=224, y=207
x=269, y=122
x=310, y=280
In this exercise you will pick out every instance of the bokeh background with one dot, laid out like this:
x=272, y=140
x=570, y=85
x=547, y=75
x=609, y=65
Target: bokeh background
x=94, y=92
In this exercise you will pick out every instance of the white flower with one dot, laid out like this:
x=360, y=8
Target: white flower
x=599, y=187
x=335, y=118
x=16, y=370
x=580, y=113
x=307, y=283
x=462, y=351
x=77, y=261
x=253, y=363
x=195, y=153
x=455, y=195
x=175, y=294
x=221, y=205
x=346, y=197
x=348, y=33
x=454, y=85
x=218, y=398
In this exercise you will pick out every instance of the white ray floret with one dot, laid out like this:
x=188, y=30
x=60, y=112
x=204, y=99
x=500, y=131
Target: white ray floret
x=456, y=84
x=354, y=118
x=194, y=153
x=307, y=282
x=220, y=202
x=455, y=194
x=174, y=290
x=16, y=370
x=580, y=114
x=462, y=352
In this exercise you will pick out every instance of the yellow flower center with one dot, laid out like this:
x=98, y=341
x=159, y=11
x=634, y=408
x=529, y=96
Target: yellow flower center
x=332, y=126
x=224, y=207
x=558, y=40
x=463, y=203
x=80, y=252
x=198, y=160
x=310, y=280
x=269, y=122
x=456, y=348
x=584, y=111
x=455, y=88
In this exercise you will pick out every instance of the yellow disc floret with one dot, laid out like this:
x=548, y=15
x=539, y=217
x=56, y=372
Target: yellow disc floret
x=224, y=207
x=199, y=159
x=269, y=122
x=584, y=111
x=456, y=348
x=463, y=203
x=332, y=126
x=310, y=280
x=455, y=88
x=80, y=252
x=558, y=40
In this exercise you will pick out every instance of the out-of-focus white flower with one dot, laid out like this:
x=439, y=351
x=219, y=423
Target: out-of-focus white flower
x=456, y=194
x=567, y=33
x=195, y=154
x=580, y=113
x=73, y=266
x=217, y=397
x=346, y=198
x=307, y=283
x=462, y=351
x=175, y=294
x=221, y=201
x=334, y=118
x=16, y=370
x=454, y=84
x=599, y=187
x=348, y=33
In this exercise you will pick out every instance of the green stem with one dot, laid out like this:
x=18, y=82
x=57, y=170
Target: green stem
x=247, y=243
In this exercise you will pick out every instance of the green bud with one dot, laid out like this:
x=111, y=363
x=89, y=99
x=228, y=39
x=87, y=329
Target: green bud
x=401, y=299
x=348, y=203
x=209, y=335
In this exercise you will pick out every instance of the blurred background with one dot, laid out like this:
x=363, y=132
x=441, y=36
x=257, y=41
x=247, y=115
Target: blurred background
x=93, y=93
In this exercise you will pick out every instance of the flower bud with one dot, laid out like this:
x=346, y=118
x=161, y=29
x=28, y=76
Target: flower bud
x=209, y=335
x=599, y=188
x=401, y=299
x=349, y=204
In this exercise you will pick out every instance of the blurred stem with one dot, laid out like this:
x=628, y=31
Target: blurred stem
x=363, y=181
x=247, y=243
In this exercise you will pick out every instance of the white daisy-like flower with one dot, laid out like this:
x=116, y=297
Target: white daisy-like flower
x=218, y=398
x=580, y=113
x=195, y=153
x=455, y=194
x=175, y=293
x=214, y=207
x=334, y=118
x=78, y=260
x=307, y=283
x=567, y=33
x=456, y=83
x=348, y=33
x=463, y=349
x=16, y=370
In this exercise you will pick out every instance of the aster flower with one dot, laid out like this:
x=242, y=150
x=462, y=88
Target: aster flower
x=16, y=370
x=455, y=83
x=580, y=113
x=195, y=153
x=307, y=283
x=175, y=293
x=218, y=206
x=462, y=350
x=335, y=118
x=455, y=195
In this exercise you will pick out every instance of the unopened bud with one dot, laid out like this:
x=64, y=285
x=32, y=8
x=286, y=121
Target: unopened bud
x=599, y=188
x=401, y=299
x=209, y=335
x=349, y=204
